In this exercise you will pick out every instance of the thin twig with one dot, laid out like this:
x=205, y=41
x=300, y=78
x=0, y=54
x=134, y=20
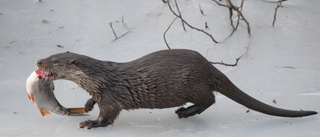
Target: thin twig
x=238, y=20
x=231, y=65
x=121, y=36
x=114, y=33
x=241, y=15
x=189, y=24
x=184, y=28
x=206, y=25
x=231, y=7
x=201, y=11
x=164, y=34
x=275, y=12
x=122, y=21
x=220, y=4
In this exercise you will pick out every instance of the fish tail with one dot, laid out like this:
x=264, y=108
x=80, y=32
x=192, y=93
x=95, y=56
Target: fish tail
x=76, y=110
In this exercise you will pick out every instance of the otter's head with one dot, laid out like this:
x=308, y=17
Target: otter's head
x=61, y=66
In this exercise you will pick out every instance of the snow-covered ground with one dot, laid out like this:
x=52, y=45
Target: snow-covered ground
x=280, y=63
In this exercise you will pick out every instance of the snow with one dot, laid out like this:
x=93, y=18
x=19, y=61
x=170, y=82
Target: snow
x=280, y=63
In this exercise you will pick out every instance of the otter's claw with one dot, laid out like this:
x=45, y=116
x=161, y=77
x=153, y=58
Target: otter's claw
x=90, y=124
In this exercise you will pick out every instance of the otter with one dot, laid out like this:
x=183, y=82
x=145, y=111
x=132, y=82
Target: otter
x=162, y=79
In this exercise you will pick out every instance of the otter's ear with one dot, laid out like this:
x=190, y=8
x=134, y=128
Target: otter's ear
x=73, y=62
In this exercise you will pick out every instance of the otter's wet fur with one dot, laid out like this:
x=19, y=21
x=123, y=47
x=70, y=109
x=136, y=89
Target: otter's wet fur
x=162, y=79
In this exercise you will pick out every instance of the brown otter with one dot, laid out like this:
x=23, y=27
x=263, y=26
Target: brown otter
x=162, y=79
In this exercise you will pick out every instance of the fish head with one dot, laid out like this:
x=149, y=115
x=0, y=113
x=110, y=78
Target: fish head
x=31, y=83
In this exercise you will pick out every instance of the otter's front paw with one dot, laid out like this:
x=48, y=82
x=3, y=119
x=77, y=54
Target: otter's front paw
x=90, y=124
x=89, y=105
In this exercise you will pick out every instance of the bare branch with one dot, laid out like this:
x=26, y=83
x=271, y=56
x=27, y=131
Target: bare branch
x=121, y=36
x=275, y=12
x=206, y=25
x=122, y=21
x=232, y=7
x=237, y=9
x=164, y=34
x=184, y=28
x=179, y=16
x=114, y=33
x=201, y=11
x=231, y=65
x=220, y=4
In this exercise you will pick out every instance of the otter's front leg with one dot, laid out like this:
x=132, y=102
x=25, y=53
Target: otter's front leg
x=89, y=105
x=108, y=113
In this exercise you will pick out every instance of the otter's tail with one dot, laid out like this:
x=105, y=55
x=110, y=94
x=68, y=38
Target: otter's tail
x=228, y=89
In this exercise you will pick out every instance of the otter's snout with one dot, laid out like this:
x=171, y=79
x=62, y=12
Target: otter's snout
x=40, y=63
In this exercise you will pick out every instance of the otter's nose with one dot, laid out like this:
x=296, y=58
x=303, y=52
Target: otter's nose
x=39, y=63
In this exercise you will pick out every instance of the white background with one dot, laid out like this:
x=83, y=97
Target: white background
x=280, y=63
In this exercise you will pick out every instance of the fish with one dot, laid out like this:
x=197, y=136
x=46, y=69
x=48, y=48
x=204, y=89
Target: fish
x=40, y=92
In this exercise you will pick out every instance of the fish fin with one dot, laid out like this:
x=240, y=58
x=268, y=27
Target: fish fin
x=76, y=110
x=44, y=112
x=30, y=96
x=38, y=86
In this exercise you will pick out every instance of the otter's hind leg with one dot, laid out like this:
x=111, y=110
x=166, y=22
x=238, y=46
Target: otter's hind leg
x=199, y=106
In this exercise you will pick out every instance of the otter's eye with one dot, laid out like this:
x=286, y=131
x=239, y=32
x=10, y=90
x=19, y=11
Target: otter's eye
x=54, y=62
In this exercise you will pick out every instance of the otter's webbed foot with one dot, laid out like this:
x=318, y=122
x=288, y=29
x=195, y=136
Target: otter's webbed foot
x=91, y=123
x=89, y=105
x=190, y=111
x=181, y=112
